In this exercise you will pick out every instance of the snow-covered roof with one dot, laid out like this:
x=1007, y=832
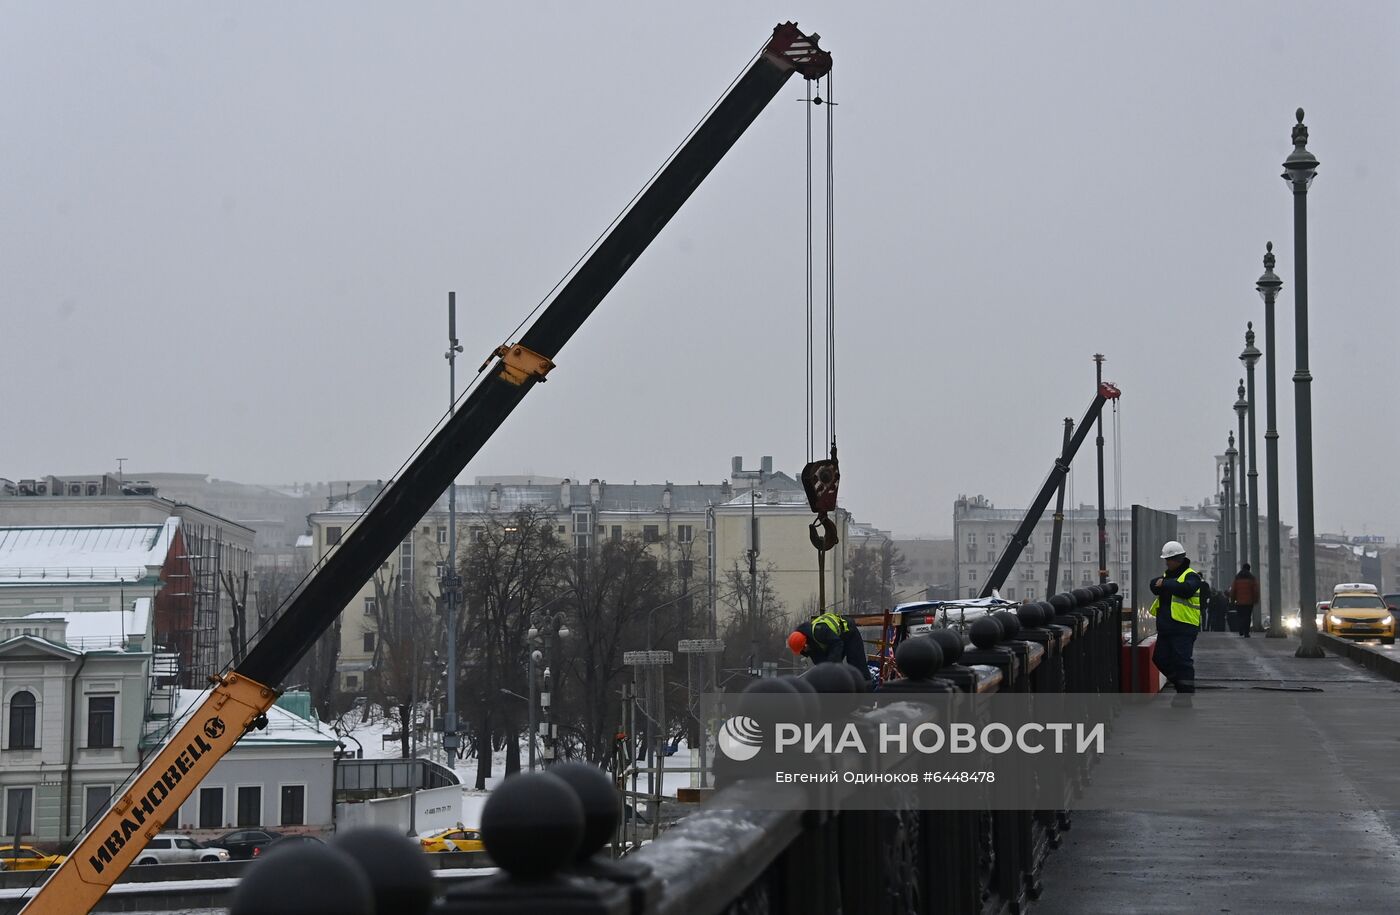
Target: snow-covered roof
x=92, y=553
x=94, y=629
x=283, y=727
x=304, y=541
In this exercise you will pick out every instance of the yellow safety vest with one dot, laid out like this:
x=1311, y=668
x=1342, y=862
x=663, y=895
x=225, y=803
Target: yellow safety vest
x=833, y=622
x=1184, y=610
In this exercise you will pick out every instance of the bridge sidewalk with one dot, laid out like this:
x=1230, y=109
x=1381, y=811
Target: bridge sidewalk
x=1276, y=861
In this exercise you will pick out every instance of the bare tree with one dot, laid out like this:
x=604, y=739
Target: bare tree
x=874, y=572
x=237, y=591
x=405, y=629
x=619, y=597
x=511, y=569
x=757, y=613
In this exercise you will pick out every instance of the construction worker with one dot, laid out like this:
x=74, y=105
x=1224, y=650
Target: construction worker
x=1179, y=591
x=1244, y=594
x=830, y=638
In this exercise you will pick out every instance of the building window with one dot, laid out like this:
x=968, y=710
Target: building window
x=991, y=539
x=352, y=681
x=1068, y=578
x=972, y=554
x=651, y=533
x=19, y=811
x=369, y=642
x=1085, y=537
x=22, y=729
x=332, y=536
x=971, y=539
x=478, y=534
x=102, y=721
x=971, y=592
x=441, y=568
x=293, y=805
x=616, y=534
x=211, y=808
x=684, y=533
x=249, y=806
x=442, y=534
x=563, y=529
x=95, y=800
x=971, y=574
x=369, y=606
x=1085, y=557
x=1010, y=593
x=1084, y=578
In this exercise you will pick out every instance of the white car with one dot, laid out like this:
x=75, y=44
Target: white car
x=172, y=849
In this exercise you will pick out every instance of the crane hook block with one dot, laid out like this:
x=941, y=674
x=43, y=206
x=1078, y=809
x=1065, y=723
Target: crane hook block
x=822, y=533
x=519, y=365
x=820, y=479
x=1109, y=391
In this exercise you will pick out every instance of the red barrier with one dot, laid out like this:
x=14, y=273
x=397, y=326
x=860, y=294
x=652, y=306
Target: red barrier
x=1149, y=678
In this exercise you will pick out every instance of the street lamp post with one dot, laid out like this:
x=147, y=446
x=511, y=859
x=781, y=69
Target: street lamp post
x=542, y=636
x=1241, y=408
x=1268, y=286
x=1249, y=356
x=1230, y=537
x=451, y=584
x=1299, y=169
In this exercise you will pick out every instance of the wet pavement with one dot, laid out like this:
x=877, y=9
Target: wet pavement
x=1278, y=861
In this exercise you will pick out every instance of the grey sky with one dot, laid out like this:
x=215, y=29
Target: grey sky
x=228, y=236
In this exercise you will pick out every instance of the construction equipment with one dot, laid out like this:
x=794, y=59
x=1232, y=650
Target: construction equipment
x=240, y=699
x=1106, y=392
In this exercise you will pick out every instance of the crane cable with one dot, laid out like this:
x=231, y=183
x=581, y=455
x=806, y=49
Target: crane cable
x=820, y=478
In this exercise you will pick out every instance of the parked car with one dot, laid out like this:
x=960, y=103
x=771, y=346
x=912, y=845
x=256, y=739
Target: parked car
x=285, y=842
x=456, y=838
x=27, y=858
x=1356, y=611
x=168, y=848
x=242, y=842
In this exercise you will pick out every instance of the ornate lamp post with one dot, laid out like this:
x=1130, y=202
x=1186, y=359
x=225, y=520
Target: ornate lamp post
x=1299, y=169
x=1249, y=356
x=1268, y=286
x=1242, y=407
x=542, y=635
x=1229, y=566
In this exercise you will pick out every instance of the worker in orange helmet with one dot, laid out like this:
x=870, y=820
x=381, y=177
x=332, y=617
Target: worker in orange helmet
x=830, y=639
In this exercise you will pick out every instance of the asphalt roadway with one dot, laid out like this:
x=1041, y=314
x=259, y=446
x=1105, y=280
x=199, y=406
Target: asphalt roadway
x=1277, y=861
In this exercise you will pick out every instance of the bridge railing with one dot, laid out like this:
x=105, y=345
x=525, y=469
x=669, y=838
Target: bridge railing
x=547, y=831
x=735, y=856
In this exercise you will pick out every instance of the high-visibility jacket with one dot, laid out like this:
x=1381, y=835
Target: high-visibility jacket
x=829, y=628
x=1184, y=609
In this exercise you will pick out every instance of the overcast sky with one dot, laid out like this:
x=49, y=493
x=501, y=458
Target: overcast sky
x=228, y=234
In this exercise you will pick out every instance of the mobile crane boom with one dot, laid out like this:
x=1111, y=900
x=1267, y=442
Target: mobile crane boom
x=1012, y=552
x=240, y=699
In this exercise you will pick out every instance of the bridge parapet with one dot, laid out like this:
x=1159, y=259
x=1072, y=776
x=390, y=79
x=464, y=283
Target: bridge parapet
x=548, y=831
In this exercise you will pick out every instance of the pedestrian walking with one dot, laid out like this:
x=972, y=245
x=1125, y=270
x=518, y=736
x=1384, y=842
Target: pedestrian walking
x=1244, y=594
x=1179, y=595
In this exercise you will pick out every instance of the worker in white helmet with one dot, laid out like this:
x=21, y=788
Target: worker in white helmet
x=1179, y=592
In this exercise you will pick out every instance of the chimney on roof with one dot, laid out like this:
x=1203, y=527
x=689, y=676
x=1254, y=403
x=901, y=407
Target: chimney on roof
x=765, y=467
x=666, y=498
x=595, y=491
x=736, y=465
x=565, y=494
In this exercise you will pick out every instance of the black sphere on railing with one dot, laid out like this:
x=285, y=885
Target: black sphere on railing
x=830, y=678
x=532, y=825
x=1082, y=596
x=1010, y=624
x=918, y=658
x=1063, y=603
x=950, y=642
x=304, y=879
x=397, y=869
x=986, y=632
x=598, y=796
x=1030, y=616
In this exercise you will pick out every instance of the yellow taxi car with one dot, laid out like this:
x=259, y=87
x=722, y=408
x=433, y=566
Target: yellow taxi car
x=457, y=838
x=1357, y=611
x=27, y=858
